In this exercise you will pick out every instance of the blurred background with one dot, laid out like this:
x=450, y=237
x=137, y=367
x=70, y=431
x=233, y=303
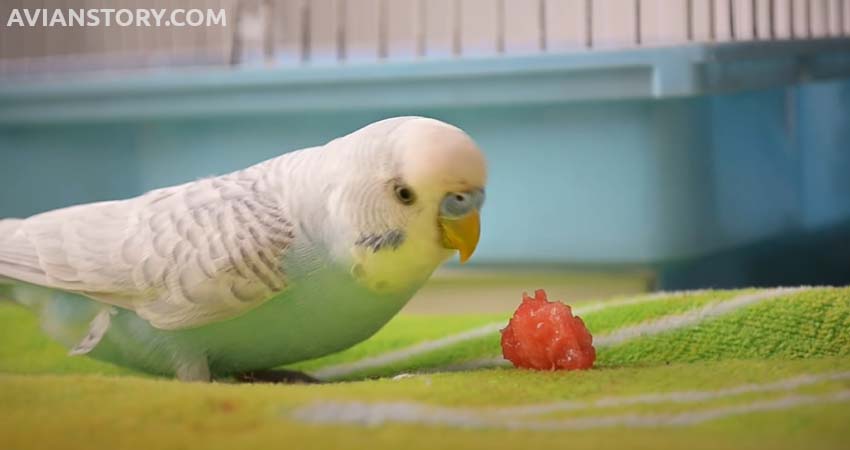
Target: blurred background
x=634, y=145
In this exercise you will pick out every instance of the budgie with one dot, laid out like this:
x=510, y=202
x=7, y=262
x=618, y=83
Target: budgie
x=290, y=259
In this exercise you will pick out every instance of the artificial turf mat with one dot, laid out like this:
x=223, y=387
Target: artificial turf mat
x=49, y=400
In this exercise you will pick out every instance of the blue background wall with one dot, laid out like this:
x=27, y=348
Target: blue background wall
x=749, y=187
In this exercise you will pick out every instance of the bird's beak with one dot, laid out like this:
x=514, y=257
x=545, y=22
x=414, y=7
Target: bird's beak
x=462, y=233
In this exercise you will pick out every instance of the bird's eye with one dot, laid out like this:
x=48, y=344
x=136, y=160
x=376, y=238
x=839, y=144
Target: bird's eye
x=404, y=194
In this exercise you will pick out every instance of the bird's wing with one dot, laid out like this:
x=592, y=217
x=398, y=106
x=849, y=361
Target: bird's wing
x=180, y=257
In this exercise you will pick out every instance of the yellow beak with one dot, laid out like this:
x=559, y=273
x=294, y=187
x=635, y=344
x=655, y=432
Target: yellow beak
x=462, y=234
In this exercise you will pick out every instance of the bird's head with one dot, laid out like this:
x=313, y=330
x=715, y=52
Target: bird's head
x=420, y=197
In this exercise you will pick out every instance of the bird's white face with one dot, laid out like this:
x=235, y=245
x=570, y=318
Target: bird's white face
x=422, y=205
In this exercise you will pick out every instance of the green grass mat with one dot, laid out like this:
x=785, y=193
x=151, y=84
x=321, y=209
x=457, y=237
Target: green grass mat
x=715, y=369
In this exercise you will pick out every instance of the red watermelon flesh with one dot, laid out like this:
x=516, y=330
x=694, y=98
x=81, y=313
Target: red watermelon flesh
x=545, y=335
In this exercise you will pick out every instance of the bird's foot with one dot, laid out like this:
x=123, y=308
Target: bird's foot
x=276, y=376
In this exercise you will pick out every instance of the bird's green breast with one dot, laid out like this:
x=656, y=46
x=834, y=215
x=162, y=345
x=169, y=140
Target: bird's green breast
x=318, y=315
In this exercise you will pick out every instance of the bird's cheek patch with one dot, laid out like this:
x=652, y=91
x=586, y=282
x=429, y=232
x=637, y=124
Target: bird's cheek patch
x=390, y=240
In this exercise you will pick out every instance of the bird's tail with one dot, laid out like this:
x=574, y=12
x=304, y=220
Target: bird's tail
x=69, y=318
x=7, y=228
x=12, y=289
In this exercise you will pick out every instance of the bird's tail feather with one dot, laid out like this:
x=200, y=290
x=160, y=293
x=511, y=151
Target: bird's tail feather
x=7, y=228
x=74, y=321
x=11, y=289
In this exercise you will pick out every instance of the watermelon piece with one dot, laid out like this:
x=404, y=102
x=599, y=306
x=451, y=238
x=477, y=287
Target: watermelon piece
x=544, y=335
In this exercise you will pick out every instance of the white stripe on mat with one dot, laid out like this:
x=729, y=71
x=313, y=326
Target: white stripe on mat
x=674, y=397
x=662, y=325
x=374, y=414
x=692, y=317
x=340, y=370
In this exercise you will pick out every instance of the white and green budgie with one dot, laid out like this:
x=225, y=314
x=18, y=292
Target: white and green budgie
x=291, y=259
